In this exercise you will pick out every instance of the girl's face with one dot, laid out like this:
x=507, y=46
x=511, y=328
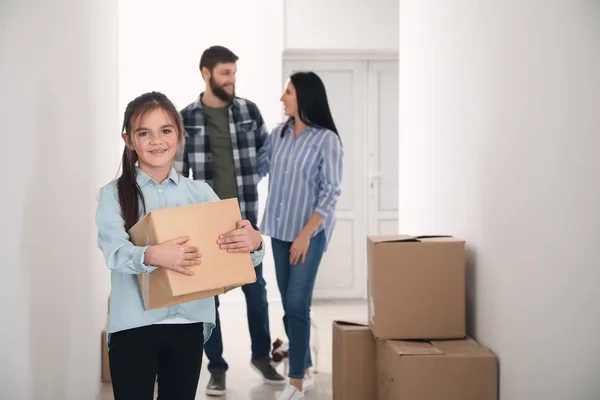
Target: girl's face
x=154, y=139
x=288, y=98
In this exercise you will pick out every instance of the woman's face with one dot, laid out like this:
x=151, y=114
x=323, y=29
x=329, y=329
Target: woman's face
x=288, y=98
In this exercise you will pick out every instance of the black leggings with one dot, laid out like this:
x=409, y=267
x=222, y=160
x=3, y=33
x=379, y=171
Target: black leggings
x=171, y=351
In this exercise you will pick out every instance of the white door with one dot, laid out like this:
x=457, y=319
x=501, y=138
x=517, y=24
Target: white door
x=342, y=272
x=383, y=147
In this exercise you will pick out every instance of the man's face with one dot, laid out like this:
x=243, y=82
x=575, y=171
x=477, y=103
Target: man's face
x=222, y=81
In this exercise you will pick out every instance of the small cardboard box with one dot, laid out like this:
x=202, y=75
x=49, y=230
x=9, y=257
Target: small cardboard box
x=416, y=287
x=354, y=366
x=105, y=364
x=219, y=270
x=448, y=370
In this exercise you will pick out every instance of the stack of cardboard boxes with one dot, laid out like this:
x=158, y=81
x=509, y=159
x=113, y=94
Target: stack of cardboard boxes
x=414, y=346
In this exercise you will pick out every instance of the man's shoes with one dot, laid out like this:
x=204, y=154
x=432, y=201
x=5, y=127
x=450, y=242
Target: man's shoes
x=265, y=369
x=216, y=384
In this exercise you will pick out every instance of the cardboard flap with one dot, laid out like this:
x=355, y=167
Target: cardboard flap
x=416, y=348
x=409, y=238
x=350, y=325
x=462, y=348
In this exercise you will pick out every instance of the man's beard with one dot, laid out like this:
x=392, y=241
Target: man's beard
x=220, y=92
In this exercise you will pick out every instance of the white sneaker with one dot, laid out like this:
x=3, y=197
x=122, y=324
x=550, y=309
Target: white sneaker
x=291, y=393
x=308, y=383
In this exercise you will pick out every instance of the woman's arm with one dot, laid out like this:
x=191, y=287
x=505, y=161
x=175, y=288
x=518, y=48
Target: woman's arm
x=265, y=152
x=330, y=175
x=329, y=184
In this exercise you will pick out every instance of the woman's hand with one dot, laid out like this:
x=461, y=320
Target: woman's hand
x=299, y=249
x=243, y=239
x=173, y=255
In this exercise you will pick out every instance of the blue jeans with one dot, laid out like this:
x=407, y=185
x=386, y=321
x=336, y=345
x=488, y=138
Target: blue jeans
x=296, y=284
x=257, y=309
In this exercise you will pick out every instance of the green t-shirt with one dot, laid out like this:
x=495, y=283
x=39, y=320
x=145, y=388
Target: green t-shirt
x=219, y=137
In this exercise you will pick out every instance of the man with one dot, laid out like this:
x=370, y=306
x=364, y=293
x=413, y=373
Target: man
x=223, y=134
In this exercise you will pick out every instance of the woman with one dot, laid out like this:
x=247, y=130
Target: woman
x=303, y=158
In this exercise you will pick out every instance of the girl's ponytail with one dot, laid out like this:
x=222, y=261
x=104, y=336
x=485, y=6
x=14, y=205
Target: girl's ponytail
x=130, y=193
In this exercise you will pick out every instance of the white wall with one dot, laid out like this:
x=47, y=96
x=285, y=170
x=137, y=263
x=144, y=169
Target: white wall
x=59, y=105
x=499, y=145
x=167, y=59
x=341, y=24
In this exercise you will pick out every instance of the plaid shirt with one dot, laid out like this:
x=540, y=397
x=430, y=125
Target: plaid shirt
x=248, y=133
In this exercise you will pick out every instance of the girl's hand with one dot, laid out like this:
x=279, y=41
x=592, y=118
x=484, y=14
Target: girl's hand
x=243, y=239
x=299, y=249
x=173, y=255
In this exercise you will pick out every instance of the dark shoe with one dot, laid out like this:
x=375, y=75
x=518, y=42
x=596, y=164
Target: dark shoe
x=265, y=369
x=216, y=384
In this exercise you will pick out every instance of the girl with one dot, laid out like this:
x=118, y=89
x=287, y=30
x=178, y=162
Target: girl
x=166, y=342
x=303, y=158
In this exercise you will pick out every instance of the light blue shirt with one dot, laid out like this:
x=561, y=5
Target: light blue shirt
x=126, y=260
x=305, y=175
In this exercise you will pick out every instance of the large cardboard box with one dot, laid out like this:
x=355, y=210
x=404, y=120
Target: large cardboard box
x=219, y=271
x=416, y=287
x=105, y=364
x=448, y=370
x=354, y=365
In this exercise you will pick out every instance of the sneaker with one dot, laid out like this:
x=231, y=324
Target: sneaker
x=308, y=383
x=216, y=384
x=265, y=369
x=291, y=393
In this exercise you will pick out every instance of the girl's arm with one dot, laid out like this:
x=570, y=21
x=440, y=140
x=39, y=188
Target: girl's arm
x=119, y=253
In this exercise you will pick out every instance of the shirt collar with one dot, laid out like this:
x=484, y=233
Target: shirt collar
x=198, y=102
x=143, y=178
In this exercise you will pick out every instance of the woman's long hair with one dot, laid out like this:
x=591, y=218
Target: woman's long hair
x=313, y=106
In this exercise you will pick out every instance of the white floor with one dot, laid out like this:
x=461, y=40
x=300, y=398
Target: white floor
x=244, y=383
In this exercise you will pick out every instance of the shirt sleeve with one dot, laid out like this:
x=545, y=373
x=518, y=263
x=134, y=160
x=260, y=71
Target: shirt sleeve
x=182, y=163
x=120, y=254
x=330, y=175
x=182, y=166
x=264, y=155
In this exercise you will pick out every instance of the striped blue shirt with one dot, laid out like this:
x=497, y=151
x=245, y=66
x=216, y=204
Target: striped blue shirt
x=305, y=175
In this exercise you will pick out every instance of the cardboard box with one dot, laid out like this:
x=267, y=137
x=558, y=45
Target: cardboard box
x=219, y=271
x=354, y=365
x=416, y=287
x=448, y=370
x=105, y=364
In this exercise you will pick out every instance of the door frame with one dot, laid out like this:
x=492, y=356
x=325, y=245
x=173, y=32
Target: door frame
x=374, y=168
x=362, y=165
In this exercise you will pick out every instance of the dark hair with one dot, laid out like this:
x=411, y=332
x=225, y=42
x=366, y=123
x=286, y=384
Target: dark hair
x=130, y=193
x=216, y=55
x=311, y=96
